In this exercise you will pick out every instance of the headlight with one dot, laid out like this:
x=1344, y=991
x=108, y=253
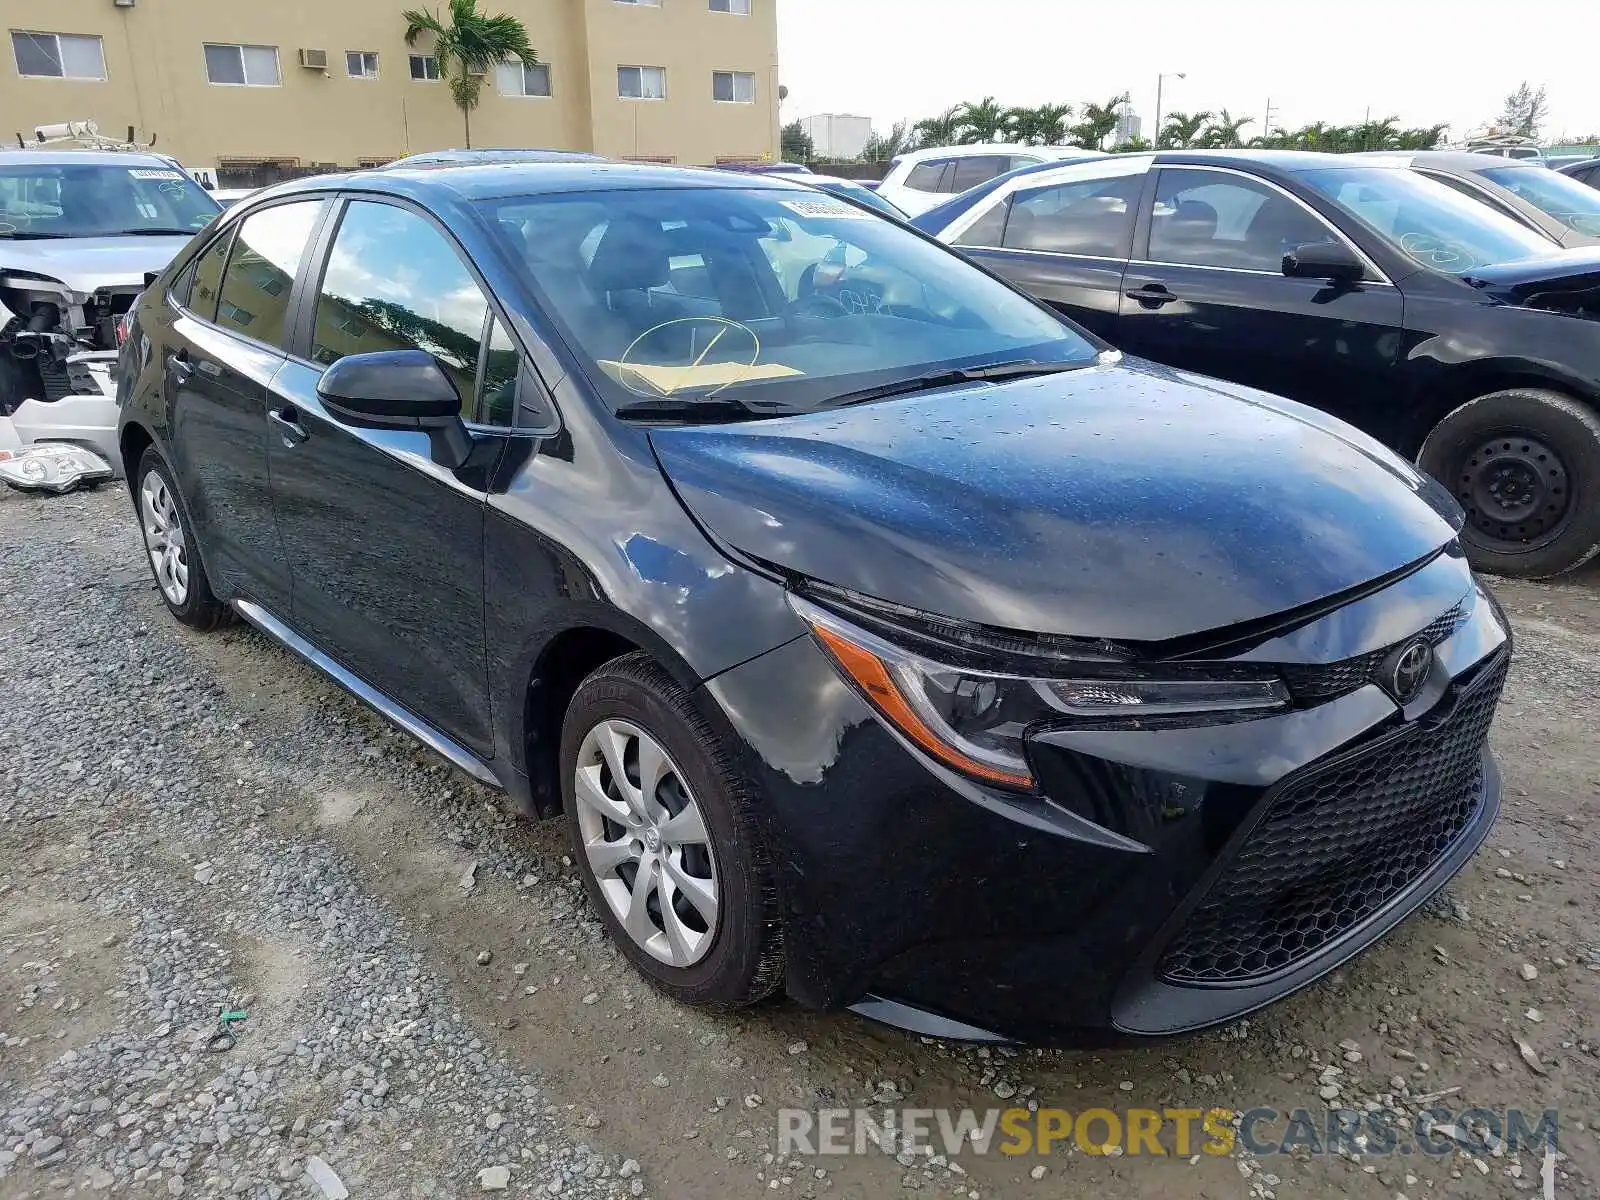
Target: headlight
x=52, y=467
x=975, y=721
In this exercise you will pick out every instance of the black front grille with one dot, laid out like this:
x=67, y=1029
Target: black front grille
x=1319, y=681
x=1338, y=844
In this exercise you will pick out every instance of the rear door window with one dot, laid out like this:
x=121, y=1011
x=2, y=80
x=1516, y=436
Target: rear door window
x=980, y=168
x=1091, y=217
x=201, y=298
x=259, y=281
x=924, y=176
x=394, y=282
x=1215, y=219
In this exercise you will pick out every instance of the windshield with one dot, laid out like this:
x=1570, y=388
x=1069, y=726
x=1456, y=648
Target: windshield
x=1575, y=205
x=863, y=195
x=67, y=200
x=1426, y=221
x=783, y=300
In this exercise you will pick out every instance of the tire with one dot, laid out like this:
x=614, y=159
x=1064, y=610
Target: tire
x=159, y=509
x=731, y=960
x=1525, y=464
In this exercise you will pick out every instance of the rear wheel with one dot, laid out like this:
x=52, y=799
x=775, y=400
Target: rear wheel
x=169, y=544
x=666, y=838
x=1525, y=465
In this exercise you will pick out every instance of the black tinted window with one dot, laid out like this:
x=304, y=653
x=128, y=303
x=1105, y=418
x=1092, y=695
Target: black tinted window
x=1213, y=219
x=394, y=282
x=207, y=272
x=497, y=397
x=256, y=288
x=1093, y=216
x=924, y=177
x=989, y=229
x=970, y=172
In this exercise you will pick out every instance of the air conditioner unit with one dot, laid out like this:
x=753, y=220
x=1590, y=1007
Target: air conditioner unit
x=314, y=60
x=124, y=3
x=477, y=72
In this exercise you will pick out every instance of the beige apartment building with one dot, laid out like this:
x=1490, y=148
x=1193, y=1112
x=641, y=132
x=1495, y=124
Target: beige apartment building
x=234, y=83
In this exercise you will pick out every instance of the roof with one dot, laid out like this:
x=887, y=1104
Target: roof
x=1450, y=160
x=439, y=158
x=1053, y=152
x=484, y=181
x=61, y=158
x=1286, y=161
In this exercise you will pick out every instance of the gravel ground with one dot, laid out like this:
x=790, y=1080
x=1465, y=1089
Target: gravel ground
x=195, y=825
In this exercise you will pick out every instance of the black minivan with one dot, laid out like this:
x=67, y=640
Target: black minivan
x=882, y=636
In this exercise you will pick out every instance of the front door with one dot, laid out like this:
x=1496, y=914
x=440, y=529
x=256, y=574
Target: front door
x=385, y=544
x=227, y=342
x=1209, y=295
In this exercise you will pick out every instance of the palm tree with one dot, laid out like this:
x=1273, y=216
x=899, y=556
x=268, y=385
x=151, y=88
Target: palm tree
x=884, y=147
x=1042, y=126
x=1225, y=130
x=984, y=121
x=941, y=130
x=1421, y=138
x=469, y=47
x=1181, y=129
x=1097, y=122
x=1378, y=135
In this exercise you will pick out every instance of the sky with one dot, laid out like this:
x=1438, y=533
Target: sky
x=1424, y=61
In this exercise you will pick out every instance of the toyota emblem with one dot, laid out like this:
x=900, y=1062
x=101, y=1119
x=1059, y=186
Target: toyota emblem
x=1408, y=669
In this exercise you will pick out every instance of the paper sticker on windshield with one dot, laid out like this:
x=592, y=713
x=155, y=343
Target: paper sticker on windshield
x=140, y=174
x=826, y=208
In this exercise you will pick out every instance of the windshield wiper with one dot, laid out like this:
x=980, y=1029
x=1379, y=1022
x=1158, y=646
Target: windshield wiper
x=938, y=379
x=145, y=230
x=27, y=235
x=694, y=408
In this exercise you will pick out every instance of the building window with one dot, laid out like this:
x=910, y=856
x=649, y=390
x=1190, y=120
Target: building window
x=518, y=79
x=58, y=55
x=642, y=83
x=361, y=64
x=733, y=87
x=242, y=66
x=737, y=7
x=425, y=68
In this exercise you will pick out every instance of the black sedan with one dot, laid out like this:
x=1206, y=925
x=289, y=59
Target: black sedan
x=882, y=636
x=1527, y=191
x=1586, y=171
x=1454, y=334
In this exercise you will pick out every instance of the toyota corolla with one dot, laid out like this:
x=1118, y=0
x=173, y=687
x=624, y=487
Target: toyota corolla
x=881, y=636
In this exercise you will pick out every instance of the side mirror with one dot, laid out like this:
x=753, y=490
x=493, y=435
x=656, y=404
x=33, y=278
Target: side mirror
x=1324, y=260
x=398, y=389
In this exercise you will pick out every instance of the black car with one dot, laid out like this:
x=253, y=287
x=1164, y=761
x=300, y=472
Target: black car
x=1452, y=333
x=882, y=636
x=1585, y=170
x=1525, y=190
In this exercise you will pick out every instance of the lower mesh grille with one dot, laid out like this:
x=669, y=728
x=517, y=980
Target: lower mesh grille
x=1337, y=845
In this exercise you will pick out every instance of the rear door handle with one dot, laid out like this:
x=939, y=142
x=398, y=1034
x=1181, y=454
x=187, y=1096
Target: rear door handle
x=1151, y=295
x=293, y=432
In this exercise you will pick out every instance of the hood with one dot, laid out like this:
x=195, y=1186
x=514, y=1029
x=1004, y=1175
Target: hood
x=1127, y=502
x=1543, y=282
x=85, y=264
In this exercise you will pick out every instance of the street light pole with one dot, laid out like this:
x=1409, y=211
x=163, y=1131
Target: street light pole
x=1156, y=138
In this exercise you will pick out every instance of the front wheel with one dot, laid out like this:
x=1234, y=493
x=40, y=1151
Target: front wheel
x=1525, y=465
x=666, y=837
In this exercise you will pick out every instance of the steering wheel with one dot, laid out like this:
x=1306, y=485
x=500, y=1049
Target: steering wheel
x=815, y=304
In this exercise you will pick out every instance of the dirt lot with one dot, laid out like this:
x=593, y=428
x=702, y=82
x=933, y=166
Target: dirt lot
x=193, y=823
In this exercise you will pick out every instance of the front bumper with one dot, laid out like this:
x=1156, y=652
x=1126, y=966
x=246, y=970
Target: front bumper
x=84, y=417
x=1142, y=894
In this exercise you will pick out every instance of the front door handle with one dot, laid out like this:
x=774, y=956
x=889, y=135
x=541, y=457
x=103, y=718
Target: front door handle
x=1152, y=295
x=293, y=432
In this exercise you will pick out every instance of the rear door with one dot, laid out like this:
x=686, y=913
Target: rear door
x=1208, y=294
x=1065, y=241
x=226, y=344
x=386, y=545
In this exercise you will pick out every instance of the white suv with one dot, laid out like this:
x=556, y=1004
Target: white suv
x=923, y=178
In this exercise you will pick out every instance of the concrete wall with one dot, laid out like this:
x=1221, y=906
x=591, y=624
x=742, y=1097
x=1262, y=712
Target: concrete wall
x=157, y=80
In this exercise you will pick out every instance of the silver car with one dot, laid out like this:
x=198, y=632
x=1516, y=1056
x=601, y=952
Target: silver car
x=79, y=231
